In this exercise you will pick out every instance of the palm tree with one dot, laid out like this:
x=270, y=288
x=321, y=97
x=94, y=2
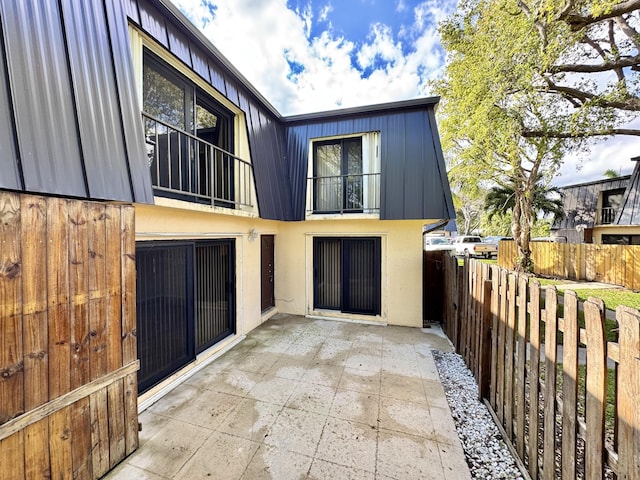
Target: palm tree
x=501, y=199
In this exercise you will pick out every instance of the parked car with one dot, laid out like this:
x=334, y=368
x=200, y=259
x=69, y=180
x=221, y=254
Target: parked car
x=472, y=246
x=432, y=244
x=493, y=242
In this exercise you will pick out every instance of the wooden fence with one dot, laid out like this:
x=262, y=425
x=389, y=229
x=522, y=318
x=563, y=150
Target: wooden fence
x=508, y=331
x=68, y=384
x=615, y=264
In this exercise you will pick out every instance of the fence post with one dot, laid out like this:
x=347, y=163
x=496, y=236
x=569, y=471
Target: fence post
x=484, y=377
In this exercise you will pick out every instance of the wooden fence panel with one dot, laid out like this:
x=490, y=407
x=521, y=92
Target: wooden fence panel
x=68, y=384
x=570, y=412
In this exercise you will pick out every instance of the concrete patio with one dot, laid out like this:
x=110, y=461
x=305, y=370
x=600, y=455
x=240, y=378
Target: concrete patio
x=302, y=398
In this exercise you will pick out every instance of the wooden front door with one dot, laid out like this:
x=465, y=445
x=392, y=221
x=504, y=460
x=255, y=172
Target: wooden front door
x=267, y=257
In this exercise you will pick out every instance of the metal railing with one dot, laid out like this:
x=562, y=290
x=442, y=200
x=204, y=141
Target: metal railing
x=186, y=167
x=350, y=193
x=607, y=215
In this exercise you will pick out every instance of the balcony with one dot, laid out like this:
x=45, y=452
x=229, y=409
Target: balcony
x=339, y=194
x=606, y=215
x=188, y=168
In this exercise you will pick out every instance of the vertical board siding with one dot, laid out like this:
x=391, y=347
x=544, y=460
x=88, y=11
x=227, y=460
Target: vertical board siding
x=67, y=393
x=70, y=120
x=553, y=410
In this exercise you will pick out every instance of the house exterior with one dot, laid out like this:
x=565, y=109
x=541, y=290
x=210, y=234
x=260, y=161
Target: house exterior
x=590, y=208
x=240, y=212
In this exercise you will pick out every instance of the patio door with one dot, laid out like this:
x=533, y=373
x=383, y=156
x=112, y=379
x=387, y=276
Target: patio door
x=347, y=274
x=185, y=294
x=266, y=272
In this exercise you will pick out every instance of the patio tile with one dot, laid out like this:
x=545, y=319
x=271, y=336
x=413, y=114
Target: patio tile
x=124, y=471
x=402, y=387
x=296, y=431
x=274, y=463
x=407, y=417
x=289, y=367
x=223, y=457
x=273, y=390
x=356, y=407
x=361, y=361
x=310, y=340
x=257, y=362
x=233, y=382
x=435, y=394
x=444, y=428
x=302, y=351
x=454, y=464
x=406, y=457
x=167, y=451
x=151, y=424
x=205, y=408
x=320, y=374
x=251, y=419
x=312, y=397
x=323, y=470
x=349, y=444
x=332, y=355
x=359, y=380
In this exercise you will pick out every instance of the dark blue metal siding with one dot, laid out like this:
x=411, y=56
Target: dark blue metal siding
x=132, y=133
x=66, y=76
x=629, y=213
x=42, y=96
x=9, y=166
x=414, y=183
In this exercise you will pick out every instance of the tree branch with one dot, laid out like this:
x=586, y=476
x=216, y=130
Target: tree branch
x=578, y=21
x=583, y=134
x=595, y=68
x=631, y=104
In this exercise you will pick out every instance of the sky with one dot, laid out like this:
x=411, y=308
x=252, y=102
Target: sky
x=314, y=55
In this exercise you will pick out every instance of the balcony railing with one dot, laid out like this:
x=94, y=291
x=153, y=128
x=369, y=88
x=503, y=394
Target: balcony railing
x=186, y=167
x=351, y=193
x=607, y=215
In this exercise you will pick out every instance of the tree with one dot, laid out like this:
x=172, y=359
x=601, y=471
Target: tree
x=546, y=200
x=611, y=173
x=528, y=81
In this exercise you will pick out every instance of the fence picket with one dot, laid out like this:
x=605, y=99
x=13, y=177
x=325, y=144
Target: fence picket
x=596, y=388
x=534, y=378
x=508, y=362
x=520, y=367
x=501, y=346
x=550, y=362
x=570, y=384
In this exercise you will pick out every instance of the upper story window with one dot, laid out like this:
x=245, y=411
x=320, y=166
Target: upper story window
x=190, y=140
x=611, y=202
x=345, y=175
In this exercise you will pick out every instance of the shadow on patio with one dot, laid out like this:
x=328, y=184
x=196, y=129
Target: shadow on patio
x=303, y=398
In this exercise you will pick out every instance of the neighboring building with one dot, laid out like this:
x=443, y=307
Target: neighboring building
x=620, y=213
x=240, y=212
x=587, y=206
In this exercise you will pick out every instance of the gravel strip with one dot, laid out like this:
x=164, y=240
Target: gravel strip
x=486, y=452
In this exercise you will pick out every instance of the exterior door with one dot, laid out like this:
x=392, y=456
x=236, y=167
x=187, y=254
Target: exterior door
x=267, y=261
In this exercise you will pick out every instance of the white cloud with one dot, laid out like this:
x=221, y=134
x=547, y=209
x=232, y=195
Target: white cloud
x=261, y=37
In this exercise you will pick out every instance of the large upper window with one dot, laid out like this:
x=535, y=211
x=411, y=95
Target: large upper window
x=190, y=140
x=346, y=175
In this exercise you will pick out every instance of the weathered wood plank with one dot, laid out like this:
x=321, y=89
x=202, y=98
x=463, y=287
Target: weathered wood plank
x=550, y=351
x=99, y=433
x=12, y=455
x=81, y=439
x=502, y=321
x=97, y=291
x=534, y=377
x=34, y=297
x=114, y=287
x=596, y=388
x=116, y=418
x=570, y=384
x=129, y=349
x=58, y=297
x=60, y=443
x=521, y=365
x=36, y=450
x=628, y=394
x=79, y=293
x=131, y=412
x=495, y=310
x=509, y=350
x=11, y=353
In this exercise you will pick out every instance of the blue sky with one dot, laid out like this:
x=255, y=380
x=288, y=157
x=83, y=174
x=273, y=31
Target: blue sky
x=315, y=55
